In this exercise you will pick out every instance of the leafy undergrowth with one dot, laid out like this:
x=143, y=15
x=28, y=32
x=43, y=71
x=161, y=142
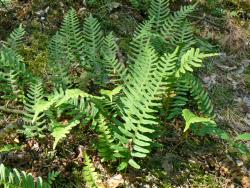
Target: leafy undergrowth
x=179, y=159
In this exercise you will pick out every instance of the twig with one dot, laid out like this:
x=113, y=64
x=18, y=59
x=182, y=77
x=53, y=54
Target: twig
x=7, y=110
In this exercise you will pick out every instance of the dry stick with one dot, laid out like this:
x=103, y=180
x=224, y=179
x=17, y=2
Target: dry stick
x=7, y=110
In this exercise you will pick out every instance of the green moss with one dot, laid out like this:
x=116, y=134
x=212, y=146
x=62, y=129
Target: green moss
x=35, y=54
x=222, y=95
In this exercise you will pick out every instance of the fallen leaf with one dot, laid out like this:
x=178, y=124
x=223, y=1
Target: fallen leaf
x=245, y=181
x=115, y=181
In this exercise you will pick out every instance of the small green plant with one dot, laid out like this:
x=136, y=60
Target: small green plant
x=124, y=103
x=131, y=107
x=206, y=126
x=34, y=94
x=14, y=178
x=11, y=147
x=91, y=177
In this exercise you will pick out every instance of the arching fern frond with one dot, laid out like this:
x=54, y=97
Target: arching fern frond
x=192, y=58
x=58, y=98
x=60, y=131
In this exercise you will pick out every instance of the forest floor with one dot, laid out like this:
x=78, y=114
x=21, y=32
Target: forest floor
x=185, y=160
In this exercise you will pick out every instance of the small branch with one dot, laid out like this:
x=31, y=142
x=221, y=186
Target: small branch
x=7, y=110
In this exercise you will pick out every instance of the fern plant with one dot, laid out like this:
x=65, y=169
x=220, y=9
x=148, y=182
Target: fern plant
x=91, y=177
x=127, y=116
x=159, y=12
x=116, y=70
x=34, y=94
x=12, y=68
x=20, y=179
x=105, y=140
x=15, y=38
x=71, y=36
x=59, y=131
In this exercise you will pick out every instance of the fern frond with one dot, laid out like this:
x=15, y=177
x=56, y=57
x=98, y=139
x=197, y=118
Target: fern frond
x=91, y=177
x=57, y=49
x=181, y=91
x=192, y=58
x=191, y=118
x=93, y=37
x=11, y=86
x=34, y=95
x=10, y=60
x=141, y=96
x=174, y=22
x=58, y=98
x=142, y=34
x=200, y=95
x=86, y=108
x=15, y=38
x=72, y=36
x=16, y=179
x=105, y=140
x=59, y=131
x=116, y=70
x=12, y=70
x=184, y=38
x=159, y=11
x=60, y=59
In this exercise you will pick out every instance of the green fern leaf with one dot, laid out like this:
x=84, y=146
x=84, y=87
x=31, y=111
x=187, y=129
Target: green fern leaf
x=174, y=22
x=192, y=58
x=115, y=69
x=91, y=177
x=60, y=131
x=200, y=95
x=33, y=128
x=105, y=140
x=16, y=179
x=93, y=37
x=191, y=118
x=141, y=36
x=159, y=11
x=145, y=86
x=15, y=38
x=72, y=36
